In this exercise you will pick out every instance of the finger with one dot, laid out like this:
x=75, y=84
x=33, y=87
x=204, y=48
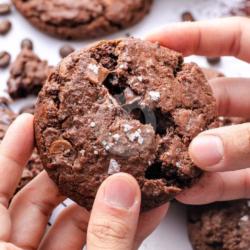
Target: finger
x=8, y=246
x=69, y=230
x=218, y=187
x=30, y=211
x=5, y=224
x=222, y=149
x=13, y=155
x=228, y=36
x=232, y=96
x=114, y=218
x=148, y=222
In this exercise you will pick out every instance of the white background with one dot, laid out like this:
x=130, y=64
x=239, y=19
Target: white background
x=171, y=234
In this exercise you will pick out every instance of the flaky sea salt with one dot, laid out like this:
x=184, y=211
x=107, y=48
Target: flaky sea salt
x=127, y=127
x=94, y=68
x=154, y=95
x=136, y=136
x=116, y=137
x=92, y=124
x=244, y=218
x=114, y=167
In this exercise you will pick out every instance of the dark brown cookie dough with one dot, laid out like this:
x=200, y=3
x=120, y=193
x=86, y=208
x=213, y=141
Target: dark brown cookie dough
x=122, y=106
x=34, y=165
x=28, y=73
x=74, y=19
x=220, y=226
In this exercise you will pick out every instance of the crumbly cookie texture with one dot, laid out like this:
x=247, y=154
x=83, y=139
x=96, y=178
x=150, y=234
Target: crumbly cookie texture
x=224, y=226
x=28, y=73
x=122, y=106
x=74, y=19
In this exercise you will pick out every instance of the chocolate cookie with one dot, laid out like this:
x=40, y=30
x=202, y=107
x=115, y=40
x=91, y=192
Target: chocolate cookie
x=220, y=226
x=74, y=19
x=34, y=165
x=122, y=106
x=27, y=74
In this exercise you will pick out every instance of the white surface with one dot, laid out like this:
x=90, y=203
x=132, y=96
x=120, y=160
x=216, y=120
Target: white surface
x=171, y=234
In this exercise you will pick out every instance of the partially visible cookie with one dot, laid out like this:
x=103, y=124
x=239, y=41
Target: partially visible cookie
x=220, y=226
x=28, y=73
x=122, y=106
x=74, y=19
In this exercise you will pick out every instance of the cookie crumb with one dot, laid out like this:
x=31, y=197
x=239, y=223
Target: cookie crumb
x=114, y=167
x=154, y=95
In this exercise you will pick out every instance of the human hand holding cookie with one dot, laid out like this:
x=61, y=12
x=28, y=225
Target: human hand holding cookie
x=223, y=152
x=114, y=223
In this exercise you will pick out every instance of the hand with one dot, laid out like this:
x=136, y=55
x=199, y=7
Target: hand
x=224, y=152
x=114, y=222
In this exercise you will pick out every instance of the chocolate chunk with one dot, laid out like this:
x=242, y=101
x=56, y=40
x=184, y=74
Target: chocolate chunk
x=5, y=9
x=27, y=44
x=5, y=26
x=4, y=59
x=213, y=60
x=187, y=16
x=65, y=50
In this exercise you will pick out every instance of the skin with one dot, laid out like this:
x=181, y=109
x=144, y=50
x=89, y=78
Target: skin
x=224, y=153
x=114, y=222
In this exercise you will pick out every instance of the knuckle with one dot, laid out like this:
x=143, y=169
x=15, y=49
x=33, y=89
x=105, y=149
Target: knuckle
x=109, y=231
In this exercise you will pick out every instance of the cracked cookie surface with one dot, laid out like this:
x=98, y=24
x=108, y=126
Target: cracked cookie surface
x=74, y=19
x=122, y=106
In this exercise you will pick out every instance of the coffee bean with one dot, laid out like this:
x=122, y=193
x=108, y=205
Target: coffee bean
x=27, y=44
x=5, y=8
x=4, y=59
x=187, y=16
x=213, y=60
x=65, y=50
x=5, y=27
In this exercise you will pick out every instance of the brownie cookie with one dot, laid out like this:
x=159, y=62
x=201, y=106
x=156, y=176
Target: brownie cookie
x=27, y=74
x=74, y=19
x=220, y=226
x=34, y=165
x=122, y=106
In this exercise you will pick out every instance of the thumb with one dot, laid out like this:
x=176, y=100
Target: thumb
x=114, y=217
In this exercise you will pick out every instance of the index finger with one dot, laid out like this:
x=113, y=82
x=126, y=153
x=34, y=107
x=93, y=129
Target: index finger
x=15, y=151
x=219, y=37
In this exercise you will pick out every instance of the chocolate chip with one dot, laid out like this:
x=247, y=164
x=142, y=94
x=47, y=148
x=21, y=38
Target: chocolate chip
x=65, y=50
x=187, y=16
x=4, y=59
x=27, y=44
x=5, y=27
x=5, y=8
x=213, y=60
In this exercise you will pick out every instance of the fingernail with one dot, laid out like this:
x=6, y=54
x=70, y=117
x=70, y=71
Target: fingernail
x=120, y=192
x=207, y=150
